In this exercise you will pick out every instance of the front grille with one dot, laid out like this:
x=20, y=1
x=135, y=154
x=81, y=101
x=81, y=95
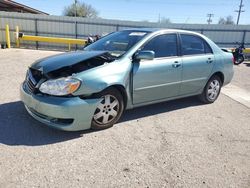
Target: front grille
x=30, y=87
x=32, y=78
x=36, y=74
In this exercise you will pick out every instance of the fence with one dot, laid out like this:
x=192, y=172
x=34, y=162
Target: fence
x=61, y=26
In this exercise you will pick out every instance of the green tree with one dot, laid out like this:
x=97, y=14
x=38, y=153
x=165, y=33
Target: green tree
x=226, y=21
x=80, y=9
x=165, y=20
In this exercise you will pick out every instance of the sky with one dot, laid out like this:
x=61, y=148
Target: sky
x=178, y=11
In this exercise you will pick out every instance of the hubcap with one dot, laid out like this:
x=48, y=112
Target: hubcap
x=107, y=110
x=213, y=89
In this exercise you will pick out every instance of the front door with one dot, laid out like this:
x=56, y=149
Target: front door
x=159, y=78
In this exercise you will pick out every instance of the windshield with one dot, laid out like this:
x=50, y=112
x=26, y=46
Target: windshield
x=117, y=43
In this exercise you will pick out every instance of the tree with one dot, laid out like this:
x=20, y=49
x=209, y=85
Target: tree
x=165, y=20
x=81, y=9
x=222, y=21
x=226, y=21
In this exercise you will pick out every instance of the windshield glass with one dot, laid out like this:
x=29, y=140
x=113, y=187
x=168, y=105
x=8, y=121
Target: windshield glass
x=117, y=43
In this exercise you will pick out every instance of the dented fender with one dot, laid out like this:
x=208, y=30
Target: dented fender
x=99, y=78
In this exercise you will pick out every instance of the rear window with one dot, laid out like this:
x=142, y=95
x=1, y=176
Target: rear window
x=192, y=45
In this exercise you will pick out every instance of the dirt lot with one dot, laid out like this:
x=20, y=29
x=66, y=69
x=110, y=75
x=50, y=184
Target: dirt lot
x=181, y=143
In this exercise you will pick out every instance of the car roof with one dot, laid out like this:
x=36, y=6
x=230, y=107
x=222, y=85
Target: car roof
x=153, y=30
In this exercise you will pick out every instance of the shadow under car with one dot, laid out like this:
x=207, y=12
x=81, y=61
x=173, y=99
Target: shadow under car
x=17, y=127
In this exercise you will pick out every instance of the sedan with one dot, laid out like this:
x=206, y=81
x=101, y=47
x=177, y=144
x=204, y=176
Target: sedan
x=91, y=88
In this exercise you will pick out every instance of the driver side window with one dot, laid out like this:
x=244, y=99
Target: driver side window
x=163, y=45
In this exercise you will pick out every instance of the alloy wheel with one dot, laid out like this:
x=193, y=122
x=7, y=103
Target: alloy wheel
x=107, y=110
x=213, y=89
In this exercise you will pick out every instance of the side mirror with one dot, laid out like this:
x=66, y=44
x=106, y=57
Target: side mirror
x=148, y=55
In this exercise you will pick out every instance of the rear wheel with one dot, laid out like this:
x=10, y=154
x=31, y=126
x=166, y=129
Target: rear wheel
x=109, y=109
x=211, y=90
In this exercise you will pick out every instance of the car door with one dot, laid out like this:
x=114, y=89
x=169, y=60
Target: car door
x=159, y=78
x=197, y=62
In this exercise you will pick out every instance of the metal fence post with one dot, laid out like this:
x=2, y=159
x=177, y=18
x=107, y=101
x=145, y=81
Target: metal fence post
x=117, y=27
x=36, y=32
x=76, y=34
x=244, y=36
x=17, y=37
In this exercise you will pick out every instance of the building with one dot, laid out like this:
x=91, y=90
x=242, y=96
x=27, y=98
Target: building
x=12, y=6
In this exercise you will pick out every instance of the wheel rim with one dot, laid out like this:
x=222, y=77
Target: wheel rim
x=107, y=110
x=240, y=59
x=213, y=89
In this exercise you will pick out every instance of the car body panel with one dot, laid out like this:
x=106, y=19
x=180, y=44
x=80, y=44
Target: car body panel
x=62, y=60
x=156, y=76
x=81, y=111
x=99, y=78
x=144, y=82
x=195, y=72
x=224, y=65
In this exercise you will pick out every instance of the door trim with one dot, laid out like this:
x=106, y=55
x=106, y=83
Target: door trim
x=154, y=86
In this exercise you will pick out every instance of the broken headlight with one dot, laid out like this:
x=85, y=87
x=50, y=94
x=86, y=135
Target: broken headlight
x=60, y=87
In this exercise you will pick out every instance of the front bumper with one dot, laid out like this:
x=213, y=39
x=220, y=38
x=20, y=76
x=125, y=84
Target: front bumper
x=69, y=114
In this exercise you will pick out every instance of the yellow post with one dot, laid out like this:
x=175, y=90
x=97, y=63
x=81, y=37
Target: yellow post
x=8, y=36
x=69, y=47
x=17, y=37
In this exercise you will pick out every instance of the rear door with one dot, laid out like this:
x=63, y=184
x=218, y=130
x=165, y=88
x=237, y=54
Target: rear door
x=159, y=78
x=198, y=61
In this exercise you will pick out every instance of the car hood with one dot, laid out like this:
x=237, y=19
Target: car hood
x=60, y=61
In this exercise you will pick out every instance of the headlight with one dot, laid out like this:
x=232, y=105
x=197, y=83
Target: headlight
x=61, y=86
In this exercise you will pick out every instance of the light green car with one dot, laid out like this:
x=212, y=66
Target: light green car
x=123, y=70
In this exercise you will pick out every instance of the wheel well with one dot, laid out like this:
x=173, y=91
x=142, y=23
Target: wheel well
x=123, y=93
x=220, y=75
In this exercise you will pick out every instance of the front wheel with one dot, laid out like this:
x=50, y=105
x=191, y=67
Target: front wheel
x=211, y=90
x=109, y=109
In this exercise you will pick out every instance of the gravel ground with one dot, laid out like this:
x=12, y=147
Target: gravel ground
x=181, y=143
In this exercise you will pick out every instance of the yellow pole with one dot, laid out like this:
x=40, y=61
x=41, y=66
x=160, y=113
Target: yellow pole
x=69, y=47
x=8, y=36
x=52, y=39
x=17, y=37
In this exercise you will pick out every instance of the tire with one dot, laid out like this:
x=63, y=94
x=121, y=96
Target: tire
x=211, y=90
x=239, y=60
x=109, y=110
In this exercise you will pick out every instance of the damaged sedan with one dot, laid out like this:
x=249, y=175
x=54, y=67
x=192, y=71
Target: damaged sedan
x=125, y=69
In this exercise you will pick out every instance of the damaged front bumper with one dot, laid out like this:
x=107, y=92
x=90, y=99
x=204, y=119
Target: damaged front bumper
x=69, y=114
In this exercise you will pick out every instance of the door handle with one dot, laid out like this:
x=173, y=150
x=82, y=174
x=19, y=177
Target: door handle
x=209, y=60
x=176, y=64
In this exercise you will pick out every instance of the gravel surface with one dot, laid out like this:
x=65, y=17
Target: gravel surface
x=181, y=143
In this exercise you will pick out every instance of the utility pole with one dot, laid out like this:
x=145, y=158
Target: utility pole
x=75, y=8
x=209, y=20
x=239, y=11
x=159, y=18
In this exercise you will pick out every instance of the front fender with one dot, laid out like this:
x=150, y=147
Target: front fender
x=99, y=78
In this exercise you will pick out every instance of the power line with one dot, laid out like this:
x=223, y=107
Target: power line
x=240, y=11
x=209, y=20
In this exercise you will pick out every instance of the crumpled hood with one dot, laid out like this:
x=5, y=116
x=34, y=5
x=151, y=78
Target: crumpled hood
x=55, y=62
